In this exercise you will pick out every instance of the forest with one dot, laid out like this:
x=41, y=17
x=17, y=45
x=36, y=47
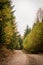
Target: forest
x=31, y=41
x=13, y=46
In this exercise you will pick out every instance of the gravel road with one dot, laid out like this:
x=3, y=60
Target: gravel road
x=19, y=58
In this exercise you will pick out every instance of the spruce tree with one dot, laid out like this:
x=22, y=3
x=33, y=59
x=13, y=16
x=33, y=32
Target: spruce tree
x=27, y=31
x=7, y=23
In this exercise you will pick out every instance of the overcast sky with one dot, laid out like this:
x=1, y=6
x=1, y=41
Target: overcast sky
x=26, y=12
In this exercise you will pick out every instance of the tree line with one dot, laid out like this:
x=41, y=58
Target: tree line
x=32, y=41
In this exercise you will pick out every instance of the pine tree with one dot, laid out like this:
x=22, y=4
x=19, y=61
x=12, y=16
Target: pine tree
x=27, y=31
x=7, y=23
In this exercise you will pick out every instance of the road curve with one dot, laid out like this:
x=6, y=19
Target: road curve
x=19, y=58
x=26, y=59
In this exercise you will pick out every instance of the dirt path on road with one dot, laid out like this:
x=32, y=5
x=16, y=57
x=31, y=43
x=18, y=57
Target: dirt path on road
x=19, y=58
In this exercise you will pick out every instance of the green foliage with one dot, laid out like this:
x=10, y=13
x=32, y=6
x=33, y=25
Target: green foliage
x=8, y=32
x=20, y=40
x=27, y=31
x=33, y=43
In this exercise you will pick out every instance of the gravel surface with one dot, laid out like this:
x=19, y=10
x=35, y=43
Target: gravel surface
x=19, y=58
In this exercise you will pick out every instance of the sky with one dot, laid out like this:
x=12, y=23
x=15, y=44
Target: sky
x=26, y=11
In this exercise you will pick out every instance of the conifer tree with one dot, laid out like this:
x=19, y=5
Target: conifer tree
x=27, y=31
x=7, y=23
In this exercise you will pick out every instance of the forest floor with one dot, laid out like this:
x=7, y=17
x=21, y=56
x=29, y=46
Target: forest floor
x=17, y=57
